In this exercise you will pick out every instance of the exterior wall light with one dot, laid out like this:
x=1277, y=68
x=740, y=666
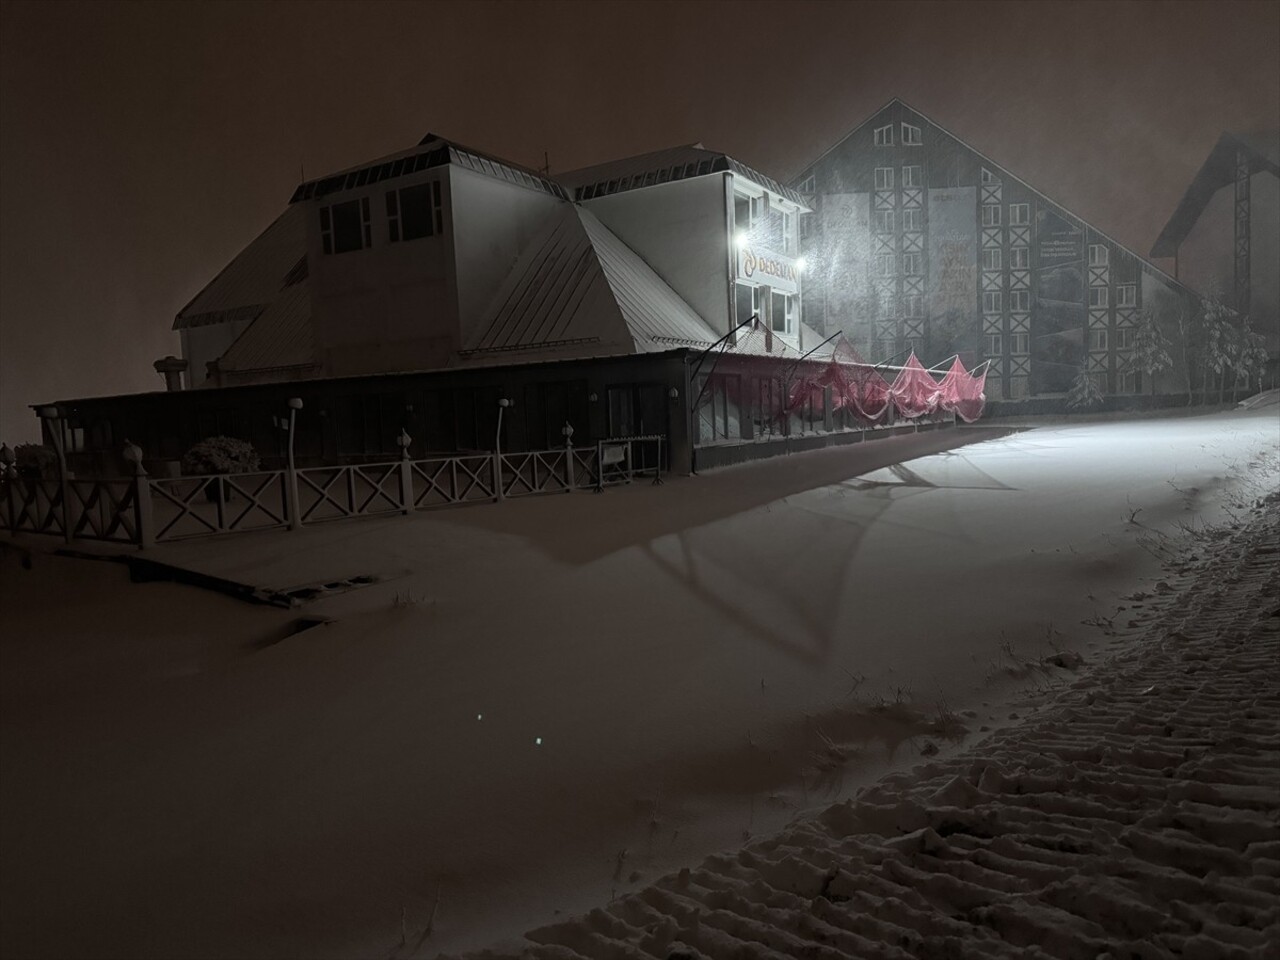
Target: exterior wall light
x=132, y=454
x=800, y=264
x=295, y=403
x=740, y=239
x=673, y=393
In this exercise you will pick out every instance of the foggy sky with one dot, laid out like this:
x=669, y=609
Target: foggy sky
x=142, y=145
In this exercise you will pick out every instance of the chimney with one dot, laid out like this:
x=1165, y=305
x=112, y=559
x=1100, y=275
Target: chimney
x=172, y=369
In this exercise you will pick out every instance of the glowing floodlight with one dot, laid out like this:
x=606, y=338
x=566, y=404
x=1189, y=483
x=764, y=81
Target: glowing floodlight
x=801, y=263
x=537, y=741
x=740, y=239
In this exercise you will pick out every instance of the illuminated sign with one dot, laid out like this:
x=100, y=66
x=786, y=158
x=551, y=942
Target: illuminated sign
x=765, y=266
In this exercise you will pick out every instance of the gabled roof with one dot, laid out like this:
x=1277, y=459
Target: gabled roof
x=280, y=337
x=1004, y=172
x=253, y=279
x=431, y=151
x=577, y=289
x=664, y=166
x=1218, y=170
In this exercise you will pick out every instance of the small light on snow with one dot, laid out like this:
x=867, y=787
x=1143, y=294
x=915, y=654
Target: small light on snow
x=537, y=741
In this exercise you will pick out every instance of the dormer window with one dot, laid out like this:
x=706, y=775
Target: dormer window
x=414, y=212
x=344, y=227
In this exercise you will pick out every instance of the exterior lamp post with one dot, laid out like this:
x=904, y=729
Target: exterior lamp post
x=53, y=423
x=291, y=474
x=567, y=432
x=503, y=404
x=406, y=471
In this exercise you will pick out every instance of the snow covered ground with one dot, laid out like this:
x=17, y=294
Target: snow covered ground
x=554, y=701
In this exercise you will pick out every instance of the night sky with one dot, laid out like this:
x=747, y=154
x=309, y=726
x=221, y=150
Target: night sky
x=143, y=145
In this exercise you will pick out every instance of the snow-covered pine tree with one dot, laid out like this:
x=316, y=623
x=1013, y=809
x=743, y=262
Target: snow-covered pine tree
x=1217, y=339
x=1251, y=354
x=1084, y=393
x=1150, y=348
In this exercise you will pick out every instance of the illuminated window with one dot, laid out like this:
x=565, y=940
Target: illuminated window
x=884, y=221
x=1098, y=255
x=1019, y=214
x=1020, y=343
x=911, y=264
x=911, y=220
x=1098, y=338
x=994, y=344
x=746, y=301
x=884, y=136
x=911, y=176
x=884, y=178
x=1020, y=300
x=1097, y=296
x=991, y=214
x=990, y=258
x=344, y=227
x=414, y=212
x=1127, y=295
x=991, y=301
x=910, y=135
x=1019, y=258
x=782, y=312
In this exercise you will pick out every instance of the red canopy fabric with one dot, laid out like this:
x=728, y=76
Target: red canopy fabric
x=914, y=391
x=962, y=393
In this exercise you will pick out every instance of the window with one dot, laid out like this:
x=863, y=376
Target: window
x=884, y=178
x=1020, y=343
x=788, y=232
x=1098, y=255
x=1127, y=295
x=1019, y=214
x=808, y=184
x=884, y=221
x=781, y=312
x=1097, y=296
x=885, y=265
x=1124, y=338
x=994, y=344
x=1098, y=338
x=806, y=225
x=911, y=176
x=1020, y=300
x=990, y=258
x=884, y=136
x=910, y=135
x=911, y=264
x=1019, y=258
x=746, y=301
x=991, y=214
x=741, y=212
x=911, y=220
x=914, y=305
x=991, y=301
x=414, y=212
x=344, y=227
x=989, y=177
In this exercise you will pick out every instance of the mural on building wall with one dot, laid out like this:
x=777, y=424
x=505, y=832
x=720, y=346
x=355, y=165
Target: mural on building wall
x=953, y=256
x=1058, y=323
x=846, y=229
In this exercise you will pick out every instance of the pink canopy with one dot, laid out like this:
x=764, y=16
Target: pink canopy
x=914, y=392
x=962, y=393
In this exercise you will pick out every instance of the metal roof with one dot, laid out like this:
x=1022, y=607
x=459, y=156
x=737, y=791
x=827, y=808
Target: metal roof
x=579, y=289
x=665, y=166
x=281, y=336
x=1218, y=170
x=254, y=278
x=432, y=151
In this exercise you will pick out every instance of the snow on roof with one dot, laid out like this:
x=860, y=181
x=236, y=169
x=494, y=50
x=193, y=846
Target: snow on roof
x=254, y=278
x=577, y=288
x=281, y=336
x=1218, y=170
x=664, y=166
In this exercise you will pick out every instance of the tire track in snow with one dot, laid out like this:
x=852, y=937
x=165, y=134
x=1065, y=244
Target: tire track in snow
x=1137, y=816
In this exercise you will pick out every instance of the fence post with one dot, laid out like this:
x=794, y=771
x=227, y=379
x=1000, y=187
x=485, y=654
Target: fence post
x=291, y=470
x=503, y=403
x=145, y=527
x=53, y=422
x=406, y=472
x=8, y=474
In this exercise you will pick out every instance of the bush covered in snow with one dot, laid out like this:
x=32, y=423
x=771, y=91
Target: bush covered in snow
x=220, y=455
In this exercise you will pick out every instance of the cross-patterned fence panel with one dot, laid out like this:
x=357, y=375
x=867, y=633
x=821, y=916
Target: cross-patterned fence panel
x=34, y=506
x=202, y=506
x=540, y=471
x=332, y=493
x=586, y=468
x=443, y=481
x=104, y=510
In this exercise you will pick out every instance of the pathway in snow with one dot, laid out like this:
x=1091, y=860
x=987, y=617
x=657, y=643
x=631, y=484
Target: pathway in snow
x=1138, y=816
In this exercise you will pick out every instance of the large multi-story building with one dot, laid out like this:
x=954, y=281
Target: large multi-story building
x=1224, y=236
x=920, y=242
